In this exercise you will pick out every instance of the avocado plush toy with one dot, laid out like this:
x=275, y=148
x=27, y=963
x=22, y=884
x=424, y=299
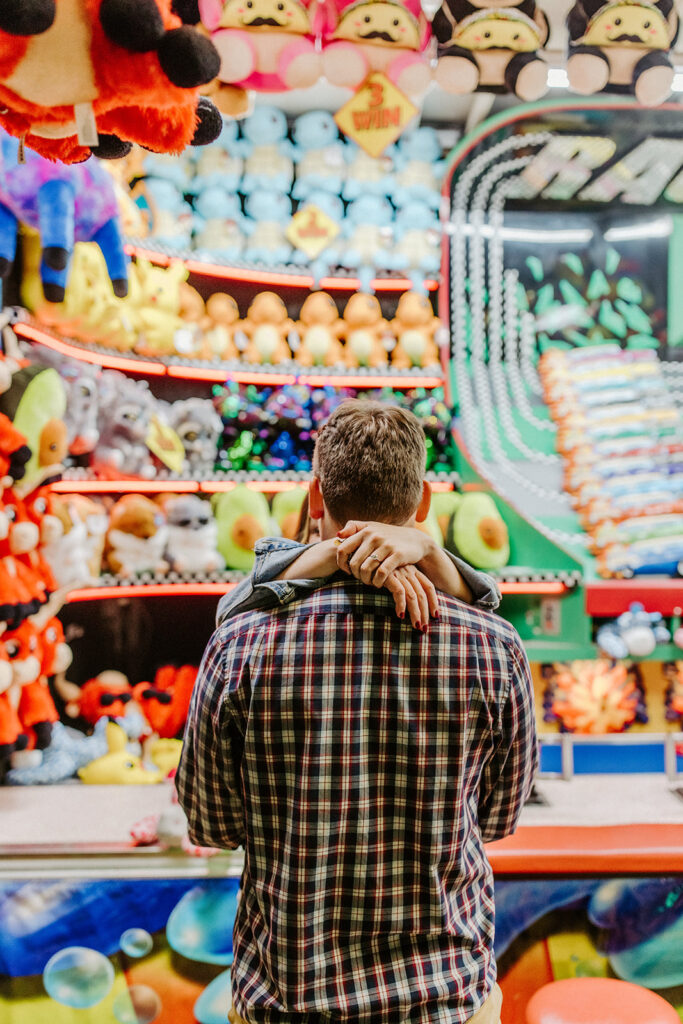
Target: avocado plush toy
x=444, y=504
x=477, y=532
x=242, y=517
x=36, y=403
x=286, y=509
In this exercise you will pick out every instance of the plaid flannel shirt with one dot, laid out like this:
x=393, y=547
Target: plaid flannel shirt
x=362, y=766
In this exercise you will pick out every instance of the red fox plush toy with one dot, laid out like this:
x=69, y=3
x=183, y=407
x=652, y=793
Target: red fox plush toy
x=92, y=76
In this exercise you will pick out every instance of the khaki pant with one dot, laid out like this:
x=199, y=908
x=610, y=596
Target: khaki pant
x=488, y=1013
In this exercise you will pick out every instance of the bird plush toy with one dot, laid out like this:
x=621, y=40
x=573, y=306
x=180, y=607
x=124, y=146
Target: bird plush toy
x=91, y=76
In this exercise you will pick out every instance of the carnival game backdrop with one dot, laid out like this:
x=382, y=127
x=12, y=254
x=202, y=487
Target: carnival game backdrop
x=138, y=952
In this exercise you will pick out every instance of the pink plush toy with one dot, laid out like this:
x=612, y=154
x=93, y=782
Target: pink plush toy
x=378, y=35
x=267, y=45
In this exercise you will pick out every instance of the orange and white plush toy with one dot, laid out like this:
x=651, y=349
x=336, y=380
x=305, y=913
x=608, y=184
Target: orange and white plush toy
x=91, y=76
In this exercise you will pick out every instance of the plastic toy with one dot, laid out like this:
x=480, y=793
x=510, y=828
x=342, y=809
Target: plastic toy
x=622, y=44
x=369, y=237
x=191, y=535
x=419, y=168
x=594, y=697
x=267, y=326
x=417, y=243
x=126, y=410
x=243, y=517
x=132, y=74
x=199, y=427
x=319, y=328
x=35, y=402
x=118, y=766
x=136, y=538
x=379, y=35
x=477, y=532
x=634, y=633
x=268, y=216
x=493, y=47
x=220, y=225
x=319, y=154
x=415, y=327
x=364, y=328
x=65, y=204
x=268, y=164
x=265, y=47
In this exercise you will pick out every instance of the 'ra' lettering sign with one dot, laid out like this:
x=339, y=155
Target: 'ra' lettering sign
x=376, y=115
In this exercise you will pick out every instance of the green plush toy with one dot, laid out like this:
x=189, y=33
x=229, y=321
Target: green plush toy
x=477, y=532
x=431, y=526
x=444, y=504
x=36, y=404
x=286, y=510
x=242, y=517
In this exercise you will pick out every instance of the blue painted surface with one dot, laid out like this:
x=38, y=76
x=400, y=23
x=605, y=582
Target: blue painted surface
x=608, y=758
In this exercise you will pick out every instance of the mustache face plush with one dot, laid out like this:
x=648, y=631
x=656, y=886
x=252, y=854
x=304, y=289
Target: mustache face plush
x=378, y=35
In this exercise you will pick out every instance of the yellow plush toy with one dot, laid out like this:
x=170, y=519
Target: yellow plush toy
x=159, y=310
x=118, y=767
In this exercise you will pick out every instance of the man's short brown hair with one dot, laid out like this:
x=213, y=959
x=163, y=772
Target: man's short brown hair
x=370, y=459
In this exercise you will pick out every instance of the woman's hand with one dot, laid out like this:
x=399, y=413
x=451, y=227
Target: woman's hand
x=414, y=593
x=386, y=556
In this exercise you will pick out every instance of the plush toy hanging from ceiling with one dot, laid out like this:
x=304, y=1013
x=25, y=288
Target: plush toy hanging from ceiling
x=66, y=205
x=91, y=76
x=491, y=47
x=622, y=47
x=265, y=45
x=378, y=35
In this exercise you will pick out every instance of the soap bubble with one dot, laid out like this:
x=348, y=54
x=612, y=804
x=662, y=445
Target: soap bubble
x=136, y=942
x=78, y=977
x=139, y=1004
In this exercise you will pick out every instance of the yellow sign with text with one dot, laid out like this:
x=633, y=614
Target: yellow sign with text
x=376, y=114
x=311, y=230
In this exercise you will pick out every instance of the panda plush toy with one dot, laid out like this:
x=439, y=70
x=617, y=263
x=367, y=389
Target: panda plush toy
x=623, y=47
x=492, y=47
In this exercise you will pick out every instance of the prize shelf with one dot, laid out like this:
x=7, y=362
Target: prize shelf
x=180, y=370
x=268, y=485
x=158, y=586
x=283, y=278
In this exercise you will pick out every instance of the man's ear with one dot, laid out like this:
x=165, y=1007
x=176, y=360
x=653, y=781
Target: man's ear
x=423, y=507
x=316, y=509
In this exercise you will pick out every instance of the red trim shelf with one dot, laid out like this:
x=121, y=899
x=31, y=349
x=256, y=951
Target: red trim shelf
x=274, y=277
x=574, y=850
x=542, y=587
x=86, y=486
x=213, y=374
x=612, y=597
x=208, y=589
x=149, y=590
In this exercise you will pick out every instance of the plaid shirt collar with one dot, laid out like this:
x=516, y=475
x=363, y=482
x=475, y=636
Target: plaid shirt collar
x=362, y=766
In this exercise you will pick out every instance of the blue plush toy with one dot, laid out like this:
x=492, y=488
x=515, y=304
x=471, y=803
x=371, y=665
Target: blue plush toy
x=268, y=152
x=369, y=237
x=419, y=168
x=178, y=169
x=367, y=175
x=319, y=154
x=219, y=224
x=220, y=164
x=171, y=217
x=634, y=633
x=268, y=214
x=417, y=247
x=66, y=204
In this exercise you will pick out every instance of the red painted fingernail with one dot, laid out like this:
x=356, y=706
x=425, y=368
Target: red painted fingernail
x=418, y=625
x=401, y=615
x=436, y=615
x=424, y=629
